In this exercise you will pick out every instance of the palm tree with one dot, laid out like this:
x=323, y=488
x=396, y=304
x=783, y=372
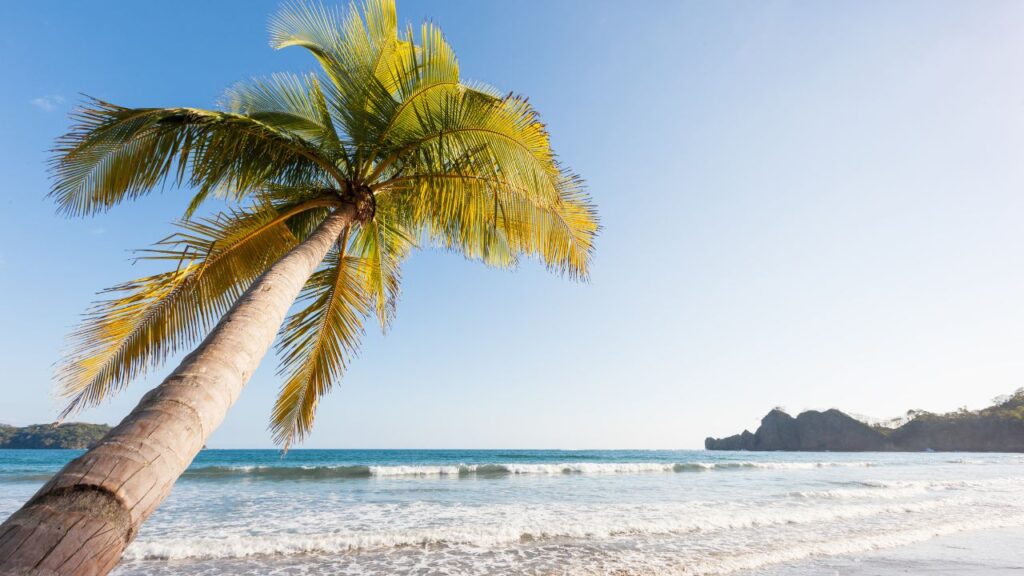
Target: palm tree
x=331, y=180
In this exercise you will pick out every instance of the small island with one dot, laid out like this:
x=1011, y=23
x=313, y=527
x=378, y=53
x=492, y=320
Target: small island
x=998, y=428
x=73, y=436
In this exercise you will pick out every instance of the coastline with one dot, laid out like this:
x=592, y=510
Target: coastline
x=994, y=552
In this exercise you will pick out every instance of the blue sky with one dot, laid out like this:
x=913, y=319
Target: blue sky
x=806, y=204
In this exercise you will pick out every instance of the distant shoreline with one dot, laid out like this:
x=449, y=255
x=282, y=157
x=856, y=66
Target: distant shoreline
x=998, y=428
x=68, y=436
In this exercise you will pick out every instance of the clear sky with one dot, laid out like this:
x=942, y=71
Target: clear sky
x=806, y=204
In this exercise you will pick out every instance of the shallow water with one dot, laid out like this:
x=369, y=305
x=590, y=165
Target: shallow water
x=546, y=512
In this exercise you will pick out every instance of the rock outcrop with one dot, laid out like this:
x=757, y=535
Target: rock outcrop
x=999, y=428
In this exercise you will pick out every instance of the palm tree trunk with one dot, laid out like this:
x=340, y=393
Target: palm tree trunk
x=81, y=521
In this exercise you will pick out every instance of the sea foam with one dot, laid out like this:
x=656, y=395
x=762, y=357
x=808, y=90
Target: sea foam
x=499, y=469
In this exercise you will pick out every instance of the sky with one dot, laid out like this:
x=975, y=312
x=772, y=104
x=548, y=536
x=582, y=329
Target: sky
x=805, y=204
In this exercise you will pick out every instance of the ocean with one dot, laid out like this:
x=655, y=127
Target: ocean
x=541, y=512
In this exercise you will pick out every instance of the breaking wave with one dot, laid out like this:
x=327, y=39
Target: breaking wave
x=496, y=470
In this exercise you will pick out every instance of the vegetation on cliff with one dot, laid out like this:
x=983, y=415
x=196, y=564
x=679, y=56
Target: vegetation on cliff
x=74, y=435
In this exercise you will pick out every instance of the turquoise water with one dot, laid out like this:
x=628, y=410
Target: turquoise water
x=546, y=512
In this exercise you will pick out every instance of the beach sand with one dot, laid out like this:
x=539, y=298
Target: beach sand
x=976, y=553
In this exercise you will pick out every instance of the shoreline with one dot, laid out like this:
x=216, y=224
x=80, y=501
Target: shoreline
x=992, y=552
x=245, y=512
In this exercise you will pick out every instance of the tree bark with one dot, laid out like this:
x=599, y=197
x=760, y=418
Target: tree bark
x=82, y=519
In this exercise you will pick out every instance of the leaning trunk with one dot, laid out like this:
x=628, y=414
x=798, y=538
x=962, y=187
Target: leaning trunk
x=81, y=521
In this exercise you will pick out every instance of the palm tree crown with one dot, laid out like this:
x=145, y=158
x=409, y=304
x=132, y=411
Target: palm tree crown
x=387, y=126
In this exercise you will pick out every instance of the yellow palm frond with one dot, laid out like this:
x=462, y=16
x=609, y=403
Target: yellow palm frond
x=290, y=103
x=345, y=42
x=151, y=318
x=380, y=247
x=462, y=131
x=494, y=221
x=317, y=342
x=355, y=50
x=422, y=67
x=563, y=235
x=117, y=153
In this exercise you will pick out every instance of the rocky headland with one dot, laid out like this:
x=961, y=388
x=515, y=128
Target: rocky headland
x=998, y=428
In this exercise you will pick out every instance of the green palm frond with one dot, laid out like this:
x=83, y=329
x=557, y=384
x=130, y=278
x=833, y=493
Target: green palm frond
x=150, y=318
x=460, y=130
x=309, y=25
x=117, y=153
x=355, y=50
x=416, y=73
x=345, y=43
x=301, y=224
x=289, y=103
x=432, y=63
x=380, y=247
x=317, y=342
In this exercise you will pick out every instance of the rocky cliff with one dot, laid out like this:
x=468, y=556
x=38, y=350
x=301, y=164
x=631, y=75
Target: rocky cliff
x=999, y=428
x=72, y=435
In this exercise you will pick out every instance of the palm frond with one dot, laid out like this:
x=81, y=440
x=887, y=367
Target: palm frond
x=564, y=234
x=457, y=213
x=290, y=103
x=380, y=247
x=150, y=318
x=303, y=223
x=356, y=50
x=116, y=153
x=430, y=65
x=491, y=220
x=317, y=342
x=310, y=25
x=462, y=131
